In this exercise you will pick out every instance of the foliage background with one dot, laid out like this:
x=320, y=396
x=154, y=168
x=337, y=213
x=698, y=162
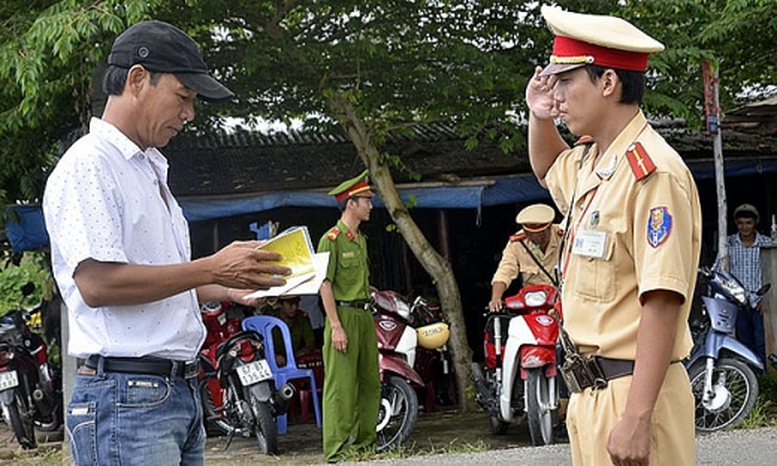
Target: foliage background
x=51, y=49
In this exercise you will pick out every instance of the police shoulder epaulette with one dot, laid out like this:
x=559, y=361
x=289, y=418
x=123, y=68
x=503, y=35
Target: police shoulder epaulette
x=639, y=160
x=332, y=235
x=517, y=237
x=584, y=140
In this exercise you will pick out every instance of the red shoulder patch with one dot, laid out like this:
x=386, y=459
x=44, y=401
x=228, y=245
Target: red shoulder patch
x=332, y=235
x=517, y=237
x=641, y=163
x=584, y=140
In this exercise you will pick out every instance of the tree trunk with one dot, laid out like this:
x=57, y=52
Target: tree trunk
x=435, y=265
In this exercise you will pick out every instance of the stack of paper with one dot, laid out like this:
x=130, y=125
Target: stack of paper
x=308, y=269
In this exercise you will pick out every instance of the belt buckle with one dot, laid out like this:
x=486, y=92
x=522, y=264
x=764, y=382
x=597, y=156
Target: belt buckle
x=570, y=371
x=598, y=379
x=191, y=369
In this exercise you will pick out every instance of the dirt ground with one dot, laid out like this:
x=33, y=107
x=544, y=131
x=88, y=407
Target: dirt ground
x=301, y=445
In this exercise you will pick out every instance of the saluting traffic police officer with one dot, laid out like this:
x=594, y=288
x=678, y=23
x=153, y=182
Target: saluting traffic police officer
x=532, y=253
x=629, y=261
x=351, y=374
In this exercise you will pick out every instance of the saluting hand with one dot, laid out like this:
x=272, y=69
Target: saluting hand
x=241, y=265
x=539, y=95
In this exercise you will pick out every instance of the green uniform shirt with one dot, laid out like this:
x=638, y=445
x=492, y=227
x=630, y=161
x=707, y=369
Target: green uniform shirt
x=348, y=271
x=301, y=332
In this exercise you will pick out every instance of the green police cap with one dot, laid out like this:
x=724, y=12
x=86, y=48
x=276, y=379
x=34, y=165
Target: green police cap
x=356, y=185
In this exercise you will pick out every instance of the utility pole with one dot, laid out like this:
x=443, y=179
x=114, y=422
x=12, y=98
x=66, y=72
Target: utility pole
x=712, y=113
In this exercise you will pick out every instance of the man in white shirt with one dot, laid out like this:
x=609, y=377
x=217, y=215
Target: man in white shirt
x=122, y=259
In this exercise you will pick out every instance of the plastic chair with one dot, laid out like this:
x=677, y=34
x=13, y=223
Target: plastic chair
x=313, y=361
x=264, y=326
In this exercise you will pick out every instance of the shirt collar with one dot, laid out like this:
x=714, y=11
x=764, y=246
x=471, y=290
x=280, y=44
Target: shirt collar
x=125, y=145
x=620, y=145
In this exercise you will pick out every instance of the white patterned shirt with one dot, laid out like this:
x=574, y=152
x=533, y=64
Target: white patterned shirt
x=104, y=201
x=745, y=261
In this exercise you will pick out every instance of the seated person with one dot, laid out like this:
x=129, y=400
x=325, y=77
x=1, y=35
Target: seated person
x=302, y=338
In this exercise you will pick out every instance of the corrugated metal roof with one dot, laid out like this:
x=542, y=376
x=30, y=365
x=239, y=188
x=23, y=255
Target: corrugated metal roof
x=246, y=162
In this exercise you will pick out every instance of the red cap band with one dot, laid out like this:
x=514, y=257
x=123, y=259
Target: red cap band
x=354, y=190
x=571, y=51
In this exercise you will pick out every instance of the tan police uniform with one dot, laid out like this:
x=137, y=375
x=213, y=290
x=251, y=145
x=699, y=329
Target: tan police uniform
x=635, y=227
x=645, y=235
x=516, y=259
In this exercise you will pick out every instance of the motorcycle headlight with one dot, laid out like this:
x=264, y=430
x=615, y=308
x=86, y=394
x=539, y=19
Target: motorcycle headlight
x=535, y=298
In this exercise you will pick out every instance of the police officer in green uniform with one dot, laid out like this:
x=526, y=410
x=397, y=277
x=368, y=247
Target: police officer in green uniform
x=351, y=380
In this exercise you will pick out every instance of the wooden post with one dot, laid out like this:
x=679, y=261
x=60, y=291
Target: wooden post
x=769, y=275
x=712, y=110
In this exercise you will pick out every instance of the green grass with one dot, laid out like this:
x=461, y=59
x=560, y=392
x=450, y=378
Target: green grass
x=413, y=449
x=42, y=456
x=764, y=413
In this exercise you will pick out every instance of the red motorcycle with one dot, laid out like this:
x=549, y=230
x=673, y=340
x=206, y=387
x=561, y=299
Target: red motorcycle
x=519, y=379
x=30, y=389
x=403, y=330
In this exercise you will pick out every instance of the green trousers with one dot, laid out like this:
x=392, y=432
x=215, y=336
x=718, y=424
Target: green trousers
x=351, y=385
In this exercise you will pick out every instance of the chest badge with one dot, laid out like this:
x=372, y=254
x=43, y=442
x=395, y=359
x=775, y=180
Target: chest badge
x=594, y=218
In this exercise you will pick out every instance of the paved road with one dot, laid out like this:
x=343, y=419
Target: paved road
x=757, y=447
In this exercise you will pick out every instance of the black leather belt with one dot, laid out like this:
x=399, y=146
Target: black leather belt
x=581, y=372
x=595, y=371
x=614, y=368
x=146, y=365
x=359, y=304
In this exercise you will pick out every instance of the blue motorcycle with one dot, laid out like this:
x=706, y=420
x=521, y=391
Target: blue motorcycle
x=722, y=370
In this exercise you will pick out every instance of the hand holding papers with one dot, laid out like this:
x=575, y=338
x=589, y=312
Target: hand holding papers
x=308, y=269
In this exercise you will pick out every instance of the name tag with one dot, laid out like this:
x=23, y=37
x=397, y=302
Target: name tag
x=590, y=243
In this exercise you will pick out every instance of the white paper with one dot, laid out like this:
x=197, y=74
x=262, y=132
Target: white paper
x=310, y=285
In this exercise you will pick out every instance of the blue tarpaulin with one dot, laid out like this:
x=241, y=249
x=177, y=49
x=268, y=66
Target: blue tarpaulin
x=25, y=228
x=29, y=233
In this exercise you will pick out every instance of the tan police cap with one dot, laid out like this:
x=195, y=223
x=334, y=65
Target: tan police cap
x=535, y=218
x=606, y=41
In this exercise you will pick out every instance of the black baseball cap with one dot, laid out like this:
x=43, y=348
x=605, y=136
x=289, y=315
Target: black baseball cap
x=163, y=48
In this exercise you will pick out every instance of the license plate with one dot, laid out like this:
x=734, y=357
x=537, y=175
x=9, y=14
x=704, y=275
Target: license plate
x=254, y=372
x=8, y=380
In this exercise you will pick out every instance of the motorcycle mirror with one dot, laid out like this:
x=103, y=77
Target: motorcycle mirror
x=764, y=289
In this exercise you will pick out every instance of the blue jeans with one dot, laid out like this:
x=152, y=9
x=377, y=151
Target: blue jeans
x=130, y=419
x=750, y=331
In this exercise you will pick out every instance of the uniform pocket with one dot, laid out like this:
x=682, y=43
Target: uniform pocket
x=81, y=429
x=350, y=268
x=595, y=277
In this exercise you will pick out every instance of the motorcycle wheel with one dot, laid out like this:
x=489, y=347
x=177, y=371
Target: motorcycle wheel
x=398, y=413
x=211, y=417
x=266, y=428
x=498, y=426
x=19, y=417
x=538, y=402
x=736, y=389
